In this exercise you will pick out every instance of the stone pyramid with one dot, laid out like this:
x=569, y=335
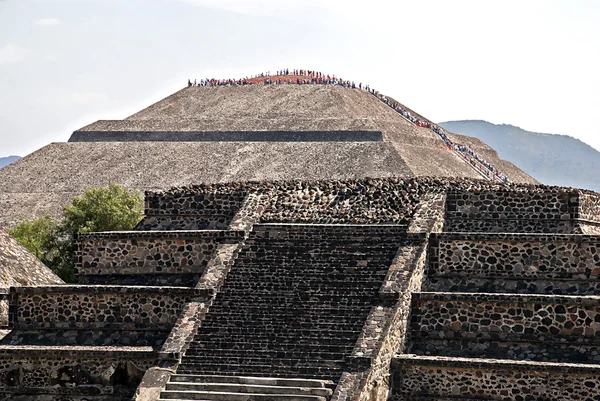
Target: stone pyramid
x=238, y=133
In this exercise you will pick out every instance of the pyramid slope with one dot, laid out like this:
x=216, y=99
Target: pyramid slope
x=49, y=178
x=126, y=151
x=299, y=108
x=19, y=267
x=270, y=101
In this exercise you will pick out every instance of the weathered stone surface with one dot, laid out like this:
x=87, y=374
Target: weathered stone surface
x=516, y=263
x=20, y=267
x=148, y=258
x=493, y=379
x=242, y=119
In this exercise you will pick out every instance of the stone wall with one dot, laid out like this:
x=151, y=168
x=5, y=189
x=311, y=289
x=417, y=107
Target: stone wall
x=148, y=254
x=28, y=367
x=509, y=211
x=542, y=327
x=96, y=307
x=363, y=201
x=509, y=205
x=555, y=263
x=545, y=210
x=589, y=206
x=219, y=136
x=476, y=379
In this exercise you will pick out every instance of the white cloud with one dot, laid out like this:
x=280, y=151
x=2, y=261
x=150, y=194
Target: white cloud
x=268, y=7
x=12, y=53
x=47, y=22
x=83, y=98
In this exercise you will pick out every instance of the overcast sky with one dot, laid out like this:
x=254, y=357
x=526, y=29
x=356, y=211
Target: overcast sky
x=67, y=63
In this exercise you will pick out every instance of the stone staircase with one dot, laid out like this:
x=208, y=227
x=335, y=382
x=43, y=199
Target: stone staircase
x=241, y=388
x=293, y=306
x=505, y=316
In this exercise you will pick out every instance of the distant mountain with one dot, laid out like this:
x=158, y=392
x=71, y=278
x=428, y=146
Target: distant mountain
x=4, y=161
x=551, y=159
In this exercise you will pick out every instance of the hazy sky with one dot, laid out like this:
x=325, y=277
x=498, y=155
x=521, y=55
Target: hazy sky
x=67, y=63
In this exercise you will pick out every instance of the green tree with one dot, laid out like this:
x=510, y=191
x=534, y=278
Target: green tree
x=110, y=208
x=37, y=236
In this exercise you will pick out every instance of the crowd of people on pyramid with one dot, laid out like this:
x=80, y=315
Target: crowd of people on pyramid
x=469, y=154
x=220, y=82
x=310, y=77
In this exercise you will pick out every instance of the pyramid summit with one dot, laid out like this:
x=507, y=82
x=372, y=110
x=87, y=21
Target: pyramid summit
x=282, y=127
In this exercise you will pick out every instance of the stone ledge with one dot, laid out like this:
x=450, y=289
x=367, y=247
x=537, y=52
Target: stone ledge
x=525, y=237
x=520, y=217
x=42, y=351
x=543, y=339
x=507, y=298
x=126, y=134
x=87, y=390
x=497, y=364
x=555, y=278
x=113, y=289
x=331, y=225
x=180, y=234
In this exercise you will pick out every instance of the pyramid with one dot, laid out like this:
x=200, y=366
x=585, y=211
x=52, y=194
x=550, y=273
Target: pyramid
x=239, y=133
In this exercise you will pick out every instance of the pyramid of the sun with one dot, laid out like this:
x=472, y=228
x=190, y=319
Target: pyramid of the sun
x=237, y=133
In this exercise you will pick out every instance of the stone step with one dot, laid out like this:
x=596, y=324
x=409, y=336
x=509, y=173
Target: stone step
x=317, y=261
x=254, y=380
x=269, y=273
x=301, y=293
x=298, y=352
x=276, y=320
x=276, y=280
x=324, y=241
x=284, y=331
x=373, y=251
x=243, y=342
x=249, y=388
x=315, y=251
x=253, y=308
x=281, y=312
x=295, y=271
x=309, y=370
x=353, y=290
x=270, y=295
x=280, y=326
x=223, y=396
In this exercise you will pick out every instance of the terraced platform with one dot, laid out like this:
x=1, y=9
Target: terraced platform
x=506, y=316
x=362, y=290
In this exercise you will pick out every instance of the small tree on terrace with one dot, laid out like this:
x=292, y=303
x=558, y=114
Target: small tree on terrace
x=111, y=208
